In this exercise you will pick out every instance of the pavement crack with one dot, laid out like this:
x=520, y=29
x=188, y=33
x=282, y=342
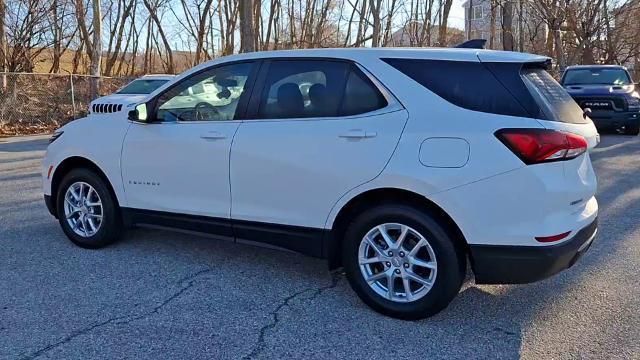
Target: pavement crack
x=123, y=319
x=275, y=314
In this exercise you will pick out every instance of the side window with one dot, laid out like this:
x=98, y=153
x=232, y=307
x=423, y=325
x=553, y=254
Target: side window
x=465, y=84
x=212, y=95
x=302, y=89
x=360, y=95
x=316, y=88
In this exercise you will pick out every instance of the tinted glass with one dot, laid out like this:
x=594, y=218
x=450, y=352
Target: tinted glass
x=360, y=95
x=466, y=84
x=141, y=86
x=553, y=98
x=596, y=77
x=302, y=89
x=316, y=88
x=212, y=95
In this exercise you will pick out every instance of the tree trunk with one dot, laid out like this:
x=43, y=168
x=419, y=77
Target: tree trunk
x=247, y=37
x=559, y=51
x=154, y=16
x=375, y=12
x=507, y=26
x=111, y=60
x=202, y=26
x=442, y=31
x=96, y=53
x=3, y=48
x=520, y=26
x=492, y=25
x=469, y=17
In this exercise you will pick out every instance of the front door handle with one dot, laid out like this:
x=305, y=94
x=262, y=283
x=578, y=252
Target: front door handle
x=213, y=135
x=358, y=134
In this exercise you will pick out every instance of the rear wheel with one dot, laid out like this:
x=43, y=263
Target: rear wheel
x=87, y=211
x=401, y=262
x=632, y=129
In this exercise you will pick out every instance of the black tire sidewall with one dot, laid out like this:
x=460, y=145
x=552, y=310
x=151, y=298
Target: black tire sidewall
x=633, y=129
x=110, y=228
x=451, y=262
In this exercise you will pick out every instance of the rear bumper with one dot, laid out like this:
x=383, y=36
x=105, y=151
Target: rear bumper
x=498, y=264
x=50, y=207
x=612, y=119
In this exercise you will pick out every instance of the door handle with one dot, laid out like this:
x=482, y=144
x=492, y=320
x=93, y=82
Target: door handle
x=358, y=134
x=213, y=135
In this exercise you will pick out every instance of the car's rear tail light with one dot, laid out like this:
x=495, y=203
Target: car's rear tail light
x=534, y=146
x=553, y=238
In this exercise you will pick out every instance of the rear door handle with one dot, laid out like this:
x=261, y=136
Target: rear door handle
x=213, y=135
x=358, y=134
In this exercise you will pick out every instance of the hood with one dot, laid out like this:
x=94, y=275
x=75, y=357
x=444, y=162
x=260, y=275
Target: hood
x=599, y=89
x=115, y=103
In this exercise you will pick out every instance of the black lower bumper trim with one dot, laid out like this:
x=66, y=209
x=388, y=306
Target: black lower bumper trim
x=496, y=264
x=49, y=203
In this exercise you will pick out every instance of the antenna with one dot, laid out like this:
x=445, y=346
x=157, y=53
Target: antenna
x=472, y=44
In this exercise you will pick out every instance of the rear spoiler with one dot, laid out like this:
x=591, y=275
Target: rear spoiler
x=472, y=44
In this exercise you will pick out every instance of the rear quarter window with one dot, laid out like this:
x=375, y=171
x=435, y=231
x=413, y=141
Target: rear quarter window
x=469, y=85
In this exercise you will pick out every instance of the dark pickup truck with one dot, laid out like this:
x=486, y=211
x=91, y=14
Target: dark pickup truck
x=608, y=92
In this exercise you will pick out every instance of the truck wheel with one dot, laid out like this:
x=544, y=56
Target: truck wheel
x=632, y=129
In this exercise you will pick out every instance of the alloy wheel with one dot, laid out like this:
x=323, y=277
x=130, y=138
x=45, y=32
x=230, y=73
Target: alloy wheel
x=397, y=262
x=83, y=209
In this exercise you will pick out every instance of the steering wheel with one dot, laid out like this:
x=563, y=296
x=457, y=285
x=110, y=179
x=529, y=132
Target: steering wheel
x=204, y=111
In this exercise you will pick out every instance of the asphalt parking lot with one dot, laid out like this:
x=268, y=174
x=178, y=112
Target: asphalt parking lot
x=160, y=294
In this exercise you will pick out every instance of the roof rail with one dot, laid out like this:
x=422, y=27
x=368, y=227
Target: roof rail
x=472, y=44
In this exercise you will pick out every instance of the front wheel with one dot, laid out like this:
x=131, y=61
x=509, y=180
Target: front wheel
x=87, y=211
x=401, y=262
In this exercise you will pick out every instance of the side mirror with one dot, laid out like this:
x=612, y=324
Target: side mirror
x=586, y=113
x=139, y=114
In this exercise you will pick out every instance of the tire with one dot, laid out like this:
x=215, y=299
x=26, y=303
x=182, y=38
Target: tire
x=632, y=129
x=106, y=219
x=450, y=262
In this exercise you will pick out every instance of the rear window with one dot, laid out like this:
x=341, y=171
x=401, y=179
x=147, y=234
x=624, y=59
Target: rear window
x=554, y=100
x=466, y=84
x=142, y=86
x=596, y=76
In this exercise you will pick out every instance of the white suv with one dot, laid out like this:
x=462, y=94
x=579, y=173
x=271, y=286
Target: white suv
x=398, y=165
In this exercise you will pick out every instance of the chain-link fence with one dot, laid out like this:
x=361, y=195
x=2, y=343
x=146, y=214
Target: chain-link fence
x=38, y=103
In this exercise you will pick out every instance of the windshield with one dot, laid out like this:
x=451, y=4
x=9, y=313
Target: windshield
x=554, y=100
x=142, y=86
x=596, y=77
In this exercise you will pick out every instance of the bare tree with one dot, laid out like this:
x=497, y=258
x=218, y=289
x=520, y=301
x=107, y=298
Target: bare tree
x=585, y=20
x=507, y=25
x=26, y=32
x=247, y=29
x=553, y=13
x=116, y=34
x=96, y=49
x=153, y=15
x=3, y=46
x=442, y=31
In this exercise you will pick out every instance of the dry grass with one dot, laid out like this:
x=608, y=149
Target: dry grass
x=33, y=104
